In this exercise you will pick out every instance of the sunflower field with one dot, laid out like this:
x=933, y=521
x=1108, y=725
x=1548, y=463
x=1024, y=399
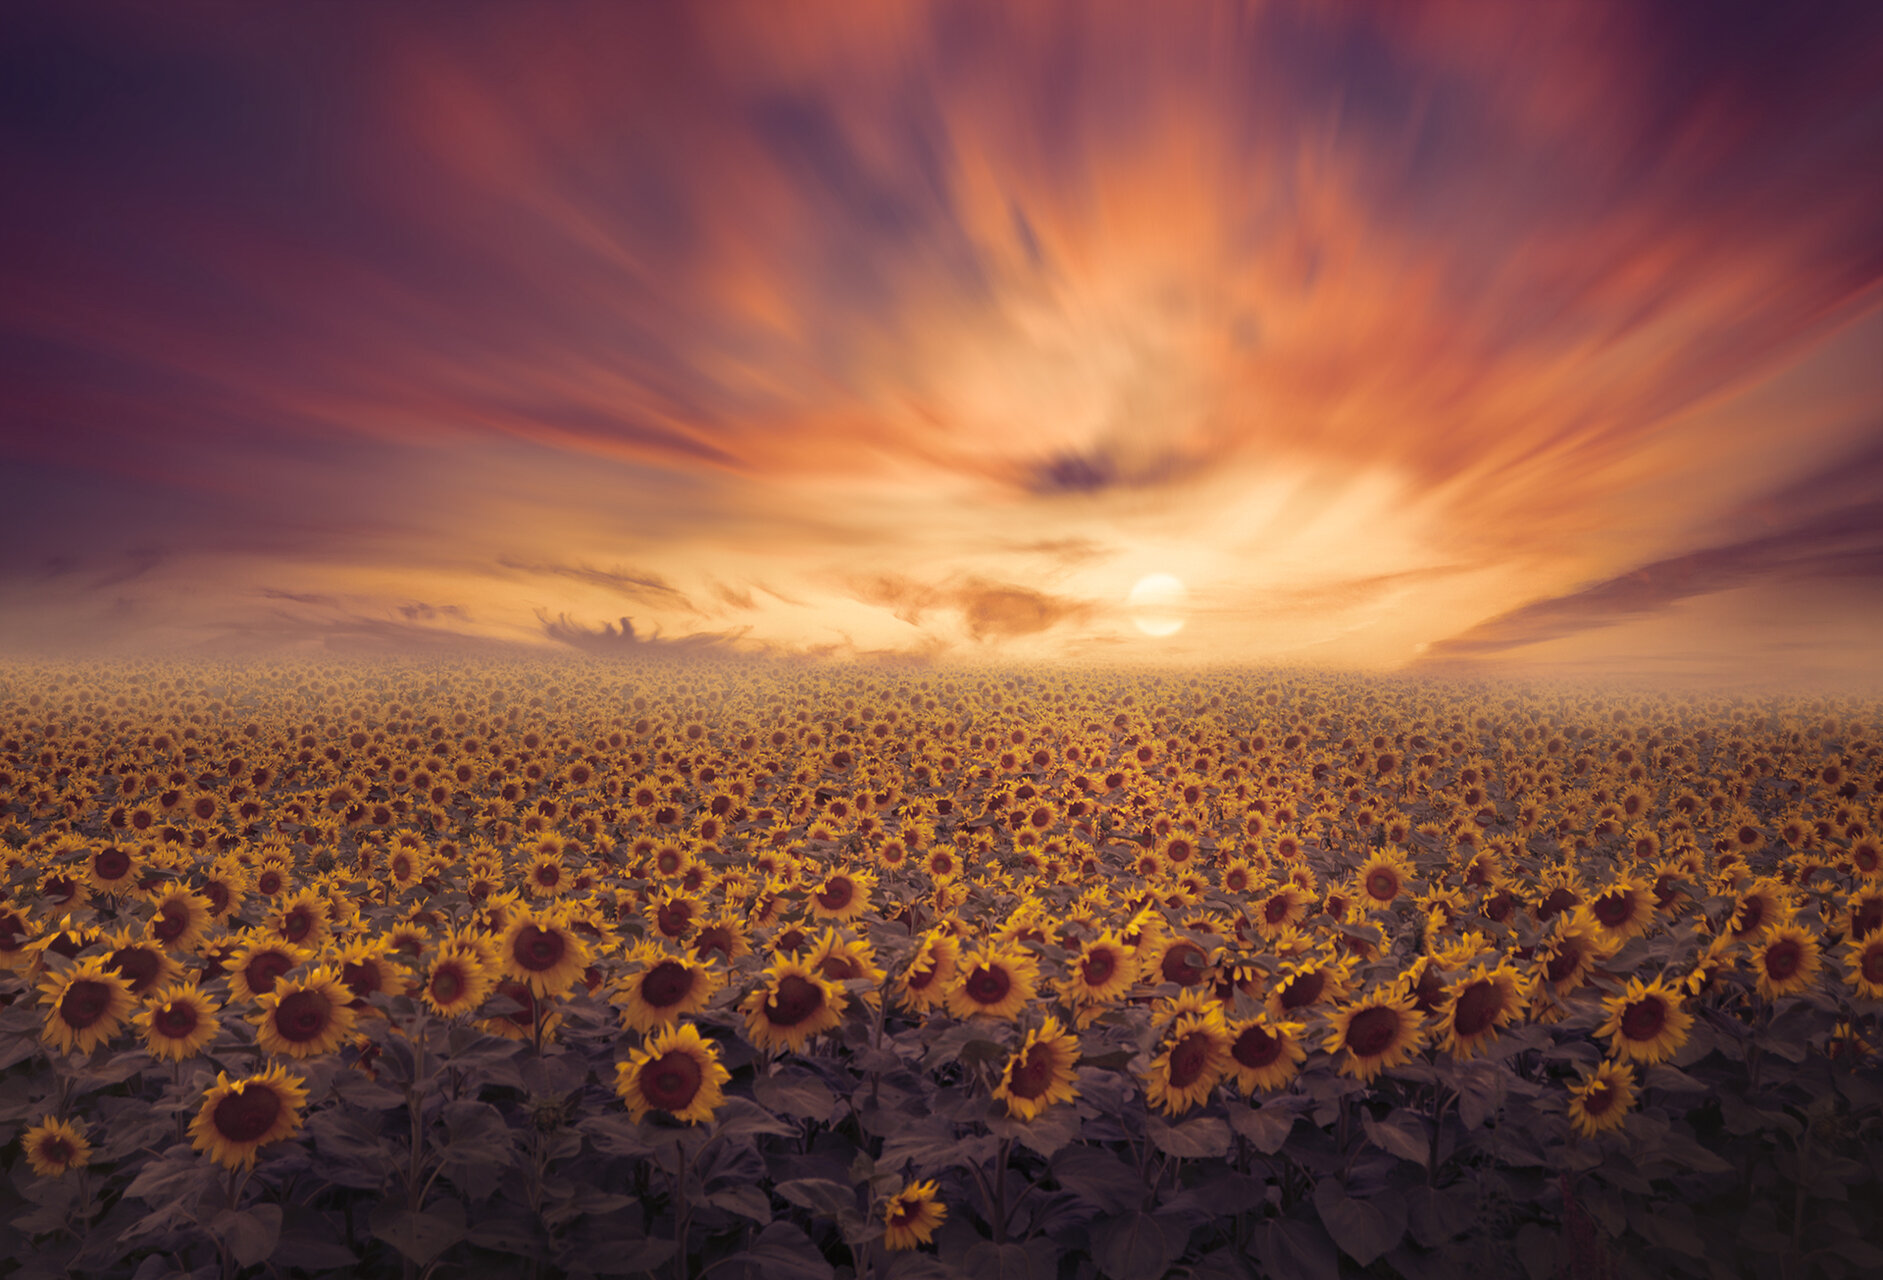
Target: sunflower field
x=753, y=969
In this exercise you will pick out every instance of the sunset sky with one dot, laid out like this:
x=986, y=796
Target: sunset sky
x=1461, y=336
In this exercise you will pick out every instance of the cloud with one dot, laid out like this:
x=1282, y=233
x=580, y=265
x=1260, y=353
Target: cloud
x=986, y=610
x=648, y=587
x=611, y=640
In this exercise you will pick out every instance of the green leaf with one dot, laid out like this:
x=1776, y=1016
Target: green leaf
x=1364, y=1229
x=1437, y=1216
x=748, y=1201
x=782, y=1252
x=1204, y=1138
x=822, y=1196
x=1298, y=1249
x=795, y=1093
x=1099, y=1178
x=419, y=1236
x=1134, y=1246
x=990, y=1261
x=1266, y=1128
x=1045, y=1133
x=249, y=1235
x=1404, y=1133
x=739, y=1116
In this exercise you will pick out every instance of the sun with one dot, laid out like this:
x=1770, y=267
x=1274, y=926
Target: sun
x=1157, y=603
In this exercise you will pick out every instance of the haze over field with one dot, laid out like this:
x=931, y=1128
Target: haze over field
x=1467, y=337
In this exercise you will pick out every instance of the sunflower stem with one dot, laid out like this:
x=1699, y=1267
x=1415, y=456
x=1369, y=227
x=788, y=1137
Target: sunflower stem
x=682, y=1213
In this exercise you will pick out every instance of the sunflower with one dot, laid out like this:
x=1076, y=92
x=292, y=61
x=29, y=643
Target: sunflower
x=722, y=933
x=367, y=969
x=179, y=918
x=1101, y=973
x=546, y=876
x=86, y=1005
x=843, y=895
x=111, y=869
x=56, y=1147
x=1566, y=960
x=1304, y=982
x=1281, y=909
x=1603, y=1099
x=240, y=1117
x=993, y=983
x=677, y=1072
x=1382, y=878
x=459, y=979
x=791, y=1005
x=1477, y=1007
x=931, y=971
x=1622, y=910
x=306, y=1016
x=16, y=935
x=178, y=1021
x=1865, y=965
x=1788, y=958
x=911, y=1216
x=1040, y=1073
x=1761, y=905
x=300, y=920
x=540, y=950
x=520, y=1023
x=1265, y=1055
x=664, y=988
x=140, y=962
x=260, y=964
x=844, y=959
x=1177, y=960
x=1379, y=1031
x=675, y=914
x=1195, y=1058
x=1646, y=1022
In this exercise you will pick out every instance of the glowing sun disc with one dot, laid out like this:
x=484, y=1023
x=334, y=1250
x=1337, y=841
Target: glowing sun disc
x=1156, y=605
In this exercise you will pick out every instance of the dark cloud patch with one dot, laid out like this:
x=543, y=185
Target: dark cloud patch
x=419, y=611
x=623, y=641
x=1844, y=545
x=312, y=599
x=649, y=588
x=988, y=610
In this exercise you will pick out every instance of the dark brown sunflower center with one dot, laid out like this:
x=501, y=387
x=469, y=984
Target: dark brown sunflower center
x=538, y=949
x=140, y=966
x=56, y=1149
x=1614, y=908
x=549, y=875
x=1751, y=915
x=1183, y=965
x=112, y=864
x=795, y=1000
x=297, y=924
x=1599, y=1100
x=1558, y=901
x=248, y=1115
x=1189, y=1057
x=1478, y=1007
x=675, y=918
x=176, y=1020
x=268, y=883
x=1303, y=989
x=447, y=983
x=1098, y=967
x=671, y=1081
x=1566, y=962
x=988, y=984
x=1373, y=1031
x=1256, y=1048
x=361, y=979
x=1783, y=958
x=714, y=938
x=84, y=1003
x=1872, y=965
x=1643, y=1019
x=667, y=984
x=836, y=893
x=302, y=1016
x=1032, y=1075
x=1429, y=990
x=838, y=968
x=1382, y=885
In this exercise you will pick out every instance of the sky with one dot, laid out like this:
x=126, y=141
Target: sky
x=1455, y=337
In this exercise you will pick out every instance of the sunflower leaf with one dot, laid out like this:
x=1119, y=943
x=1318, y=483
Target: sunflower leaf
x=250, y=1235
x=1364, y=1229
x=1135, y=1246
x=419, y=1236
x=1202, y=1138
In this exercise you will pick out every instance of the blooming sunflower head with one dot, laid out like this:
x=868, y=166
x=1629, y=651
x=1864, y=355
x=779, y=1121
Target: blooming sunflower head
x=1377, y=1032
x=1265, y=1054
x=1383, y=877
x=663, y=988
x=1787, y=959
x=995, y=983
x=843, y=895
x=140, y=961
x=86, y=1005
x=178, y=1021
x=792, y=1004
x=1864, y=965
x=240, y=1117
x=260, y=963
x=1623, y=909
x=911, y=1216
x=179, y=918
x=540, y=950
x=931, y=970
x=56, y=1147
x=1478, y=1006
x=305, y=1016
x=1102, y=971
x=1040, y=1072
x=678, y=1072
x=1194, y=1058
x=1646, y=1022
x=1602, y=1100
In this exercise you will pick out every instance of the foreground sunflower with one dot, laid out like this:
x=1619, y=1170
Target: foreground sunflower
x=1477, y=1007
x=791, y=1005
x=1645, y=1023
x=924, y=984
x=846, y=959
x=1787, y=959
x=1195, y=1058
x=179, y=918
x=542, y=952
x=1041, y=1072
x=1378, y=1032
x=994, y=984
x=305, y=1016
x=911, y=1216
x=458, y=980
x=259, y=964
x=1603, y=1099
x=1265, y=1054
x=1383, y=877
x=1865, y=965
x=86, y=1005
x=664, y=989
x=55, y=1147
x=677, y=1072
x=1101, y=973
x=240, y=1117
x=178, y=1022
